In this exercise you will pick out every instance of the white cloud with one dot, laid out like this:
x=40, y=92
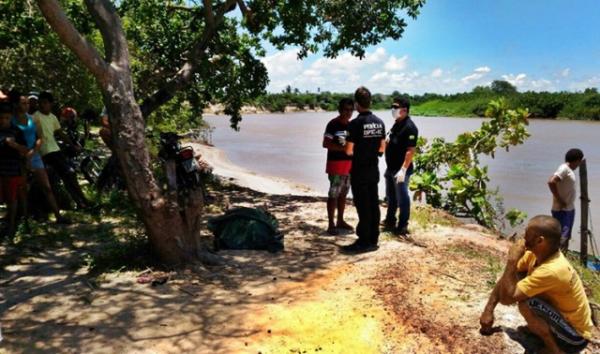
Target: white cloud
x=472, y=77
x=478, y=74
x=396, y=64
x=437, y=72
x=524, y=83
x=384, y=72
x=283, y=63
x=590, y=82
x=379, y=77
x=283, y=67
x=341, y=74
x=311, y=72
x=376, y=57
x=541, y=85
x=516, y=80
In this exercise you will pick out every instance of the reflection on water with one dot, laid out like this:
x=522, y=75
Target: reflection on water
x=289, y=146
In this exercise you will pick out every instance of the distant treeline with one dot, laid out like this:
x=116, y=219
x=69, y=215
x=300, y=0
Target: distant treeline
x=568, y=105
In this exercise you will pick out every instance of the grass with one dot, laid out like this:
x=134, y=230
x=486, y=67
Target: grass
x=590, y=278
x=494, y=266
x=425, y=217
x=109, y=239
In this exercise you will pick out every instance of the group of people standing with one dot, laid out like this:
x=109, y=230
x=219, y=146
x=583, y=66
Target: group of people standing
x=537, y=277
x=354, y=148
x=28, y=144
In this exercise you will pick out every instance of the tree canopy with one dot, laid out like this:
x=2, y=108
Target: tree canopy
x=166, y=36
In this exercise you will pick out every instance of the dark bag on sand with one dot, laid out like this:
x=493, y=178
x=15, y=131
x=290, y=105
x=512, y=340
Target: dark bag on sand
x=246, y=229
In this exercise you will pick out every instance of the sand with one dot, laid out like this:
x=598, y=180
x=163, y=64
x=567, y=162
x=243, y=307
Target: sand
x=223, y=167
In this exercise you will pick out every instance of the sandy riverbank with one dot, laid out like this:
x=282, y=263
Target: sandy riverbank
x=223, y=167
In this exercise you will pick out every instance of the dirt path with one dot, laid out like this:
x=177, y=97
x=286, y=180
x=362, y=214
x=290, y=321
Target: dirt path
x=308, y=299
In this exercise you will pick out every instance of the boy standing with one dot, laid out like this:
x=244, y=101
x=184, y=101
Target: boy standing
x=50, y=150
x=562, y=186
x=12, y=151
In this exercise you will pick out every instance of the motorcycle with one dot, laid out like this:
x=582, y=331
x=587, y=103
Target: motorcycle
x=183, y=170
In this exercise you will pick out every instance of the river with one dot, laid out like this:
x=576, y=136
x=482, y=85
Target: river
x=289, y=146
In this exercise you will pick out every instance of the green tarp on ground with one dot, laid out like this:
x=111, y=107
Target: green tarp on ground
x=246, y=229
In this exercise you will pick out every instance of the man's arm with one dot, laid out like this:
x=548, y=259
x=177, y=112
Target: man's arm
x=410, y=153
x=505, y=291
x=553, y=185
x=381, y=147
x=329, y=144
x=349, y=148
x=38, y=142
x=13, y=144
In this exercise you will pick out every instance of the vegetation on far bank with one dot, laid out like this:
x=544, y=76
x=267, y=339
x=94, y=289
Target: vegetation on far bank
x=564, y=105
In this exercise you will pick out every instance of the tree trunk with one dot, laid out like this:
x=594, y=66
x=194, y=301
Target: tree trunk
x=173, y=230
x=172, y=225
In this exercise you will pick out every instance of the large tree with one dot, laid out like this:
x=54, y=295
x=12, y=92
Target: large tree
x=202, y=50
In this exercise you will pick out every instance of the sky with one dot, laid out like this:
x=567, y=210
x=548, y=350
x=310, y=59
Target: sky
x=455, y=45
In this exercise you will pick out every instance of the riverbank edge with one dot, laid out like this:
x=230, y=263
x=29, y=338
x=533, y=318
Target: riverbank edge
x=219, y=110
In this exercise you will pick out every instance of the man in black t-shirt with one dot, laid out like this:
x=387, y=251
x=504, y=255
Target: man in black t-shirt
x=366, y=142
x=338, y=165
x=399, y=152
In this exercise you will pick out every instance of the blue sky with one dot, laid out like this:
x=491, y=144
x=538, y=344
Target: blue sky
x=454, y=45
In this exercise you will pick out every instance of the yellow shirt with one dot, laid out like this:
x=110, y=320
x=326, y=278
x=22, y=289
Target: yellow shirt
x=48, y=124
x=556, y=282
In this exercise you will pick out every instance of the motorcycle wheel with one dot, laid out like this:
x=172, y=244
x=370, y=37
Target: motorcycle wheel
x=91, y=167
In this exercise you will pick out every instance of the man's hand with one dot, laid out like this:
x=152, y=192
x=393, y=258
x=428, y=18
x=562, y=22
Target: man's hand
x=486, y=321
x=400, y=175
x=10, y=141
x=516, y=251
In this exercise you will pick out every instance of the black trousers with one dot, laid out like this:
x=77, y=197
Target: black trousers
x=56, y=160
x=366, y=202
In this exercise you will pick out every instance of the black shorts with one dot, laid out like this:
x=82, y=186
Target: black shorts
x=567, y=338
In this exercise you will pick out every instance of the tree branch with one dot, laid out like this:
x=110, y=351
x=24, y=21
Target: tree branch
x=105, y=15
x=180, y=8
x=246, y=11
x=208, y=14
x=184, y=76
x=68, y=34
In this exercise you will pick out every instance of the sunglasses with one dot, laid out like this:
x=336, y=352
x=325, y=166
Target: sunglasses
x=395, y=106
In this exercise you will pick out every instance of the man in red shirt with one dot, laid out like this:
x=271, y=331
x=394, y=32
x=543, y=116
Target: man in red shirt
x=338, y=165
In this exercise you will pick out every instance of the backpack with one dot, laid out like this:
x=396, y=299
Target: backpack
x=246, y=229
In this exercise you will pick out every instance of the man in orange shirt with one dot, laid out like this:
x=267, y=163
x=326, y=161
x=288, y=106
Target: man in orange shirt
x=547, y=289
